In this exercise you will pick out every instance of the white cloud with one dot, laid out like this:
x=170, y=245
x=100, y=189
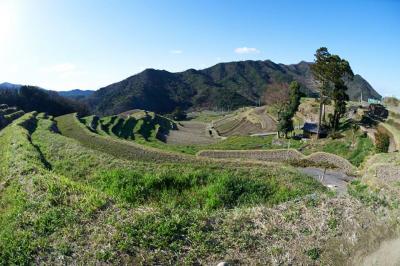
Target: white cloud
x=176, y=51
x=59, y=68
x=247, y=50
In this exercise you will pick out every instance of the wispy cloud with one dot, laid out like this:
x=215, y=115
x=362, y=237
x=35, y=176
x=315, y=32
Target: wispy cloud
x=176, y=51
x=59, y=68
x=63, y=70
x=247, y=50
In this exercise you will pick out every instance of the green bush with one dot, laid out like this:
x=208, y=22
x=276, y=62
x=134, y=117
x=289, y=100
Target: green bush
x=382, y=142
x=314, y=253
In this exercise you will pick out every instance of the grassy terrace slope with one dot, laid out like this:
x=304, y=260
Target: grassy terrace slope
x=63, y=201
x=37, y=207
x=135, y=124
x=8, y=114
x=70, y=126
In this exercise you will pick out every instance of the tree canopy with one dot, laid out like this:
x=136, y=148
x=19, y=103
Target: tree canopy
x=329, y=71
x=29, y=98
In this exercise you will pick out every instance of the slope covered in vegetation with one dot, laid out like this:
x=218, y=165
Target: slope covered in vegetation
x=9, y=114
x=50, y=184
x=223, y=86
x=30, y=98
x=132, y=125
x=75, y=200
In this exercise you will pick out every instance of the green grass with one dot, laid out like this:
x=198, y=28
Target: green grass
x=231, y=143
x=356, y=153
x=164, y=209
x=202, y=189
x=145, y=132
x=145, y=125
x=71, y=127
x=36, y=206
x=79, y=198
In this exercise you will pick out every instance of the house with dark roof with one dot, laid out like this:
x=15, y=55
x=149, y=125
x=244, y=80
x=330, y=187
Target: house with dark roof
x=310, y=130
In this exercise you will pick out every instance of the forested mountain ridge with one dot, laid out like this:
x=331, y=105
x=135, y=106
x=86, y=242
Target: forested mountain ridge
x=225, y=85
x=30, y=98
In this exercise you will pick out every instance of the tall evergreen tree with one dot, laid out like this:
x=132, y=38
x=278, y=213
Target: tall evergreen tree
x=289, y=109
x=329, y=70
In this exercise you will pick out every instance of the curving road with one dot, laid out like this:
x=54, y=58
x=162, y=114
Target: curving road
x=332, y=179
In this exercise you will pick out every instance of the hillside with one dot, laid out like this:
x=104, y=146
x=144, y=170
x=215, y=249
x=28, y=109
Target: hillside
x=70, y=196
x=225, y=85
x=9, y=86
x=30, y=98
x=131, y=125
x=76, y=94
x=9, y=114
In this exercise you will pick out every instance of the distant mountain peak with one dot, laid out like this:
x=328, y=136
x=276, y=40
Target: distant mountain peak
x=222, y=86
x=10, y=86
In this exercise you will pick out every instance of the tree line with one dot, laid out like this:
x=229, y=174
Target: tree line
x=30, y=98
x=329, y=71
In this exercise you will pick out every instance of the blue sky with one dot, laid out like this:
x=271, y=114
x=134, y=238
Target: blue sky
x=87, y=44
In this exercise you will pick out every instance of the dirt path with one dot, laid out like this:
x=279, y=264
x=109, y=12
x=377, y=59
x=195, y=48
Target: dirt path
x=388, y=254
x=335, y=180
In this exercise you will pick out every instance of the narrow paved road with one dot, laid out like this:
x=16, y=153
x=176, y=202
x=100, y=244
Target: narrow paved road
x=333, y=179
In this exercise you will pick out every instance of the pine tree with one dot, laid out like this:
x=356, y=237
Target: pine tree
x=289, y=109
x=329, y=70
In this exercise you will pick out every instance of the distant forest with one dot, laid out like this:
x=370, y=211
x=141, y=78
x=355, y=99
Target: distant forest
x=29, y=98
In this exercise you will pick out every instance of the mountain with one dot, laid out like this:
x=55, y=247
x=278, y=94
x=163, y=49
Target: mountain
x=225, y=85
x=76, y=94
x=9, y=86
x=30, y=98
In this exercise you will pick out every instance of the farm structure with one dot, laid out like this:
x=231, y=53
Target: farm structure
x=310, y=130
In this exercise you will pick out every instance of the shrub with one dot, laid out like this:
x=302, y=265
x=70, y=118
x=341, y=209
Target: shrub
x=382, y=142
x=314, y=253
x=336, y=135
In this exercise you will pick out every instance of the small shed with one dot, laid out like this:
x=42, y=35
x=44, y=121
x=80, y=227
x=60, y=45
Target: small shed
x=310, y=130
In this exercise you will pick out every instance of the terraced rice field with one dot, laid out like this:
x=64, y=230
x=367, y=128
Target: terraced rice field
x=79, y=183
x=131, y=125
x=247, y=122
x=70, y=196
x=190, y=133
x=9, y=114
x=70, y=126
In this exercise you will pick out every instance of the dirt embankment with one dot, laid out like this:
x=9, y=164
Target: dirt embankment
x=388, y=254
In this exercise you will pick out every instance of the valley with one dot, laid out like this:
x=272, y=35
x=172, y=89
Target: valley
x=163, y=201
x=220, y=133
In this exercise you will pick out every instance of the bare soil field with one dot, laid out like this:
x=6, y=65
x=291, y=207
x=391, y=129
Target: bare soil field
x=190, y=132
x=250, y=121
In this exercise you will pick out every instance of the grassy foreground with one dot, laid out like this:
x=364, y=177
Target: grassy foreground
x=63, y=202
